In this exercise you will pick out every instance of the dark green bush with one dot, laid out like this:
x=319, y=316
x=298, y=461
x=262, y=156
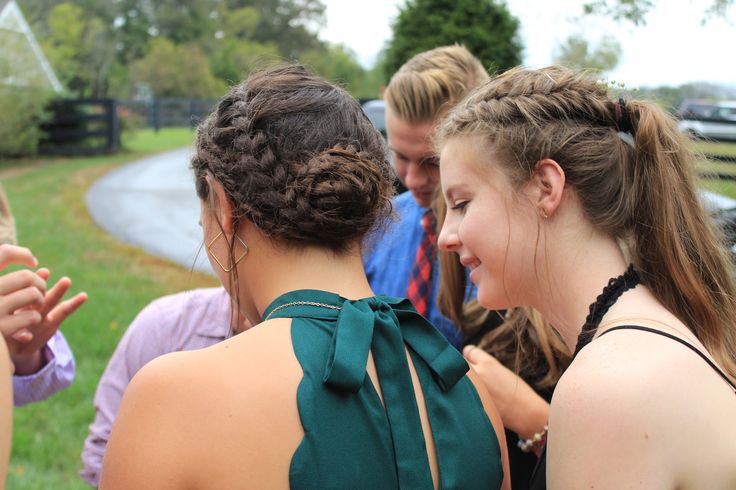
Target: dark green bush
x=22, y=110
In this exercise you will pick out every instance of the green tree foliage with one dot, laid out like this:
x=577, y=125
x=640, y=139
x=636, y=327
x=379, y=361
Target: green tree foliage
x=185, y=49
x=80, y=50
x=239, y=23
x=176, y=70
x=233, y=59
x=485, y=27
x=338, y=65
x=182, y=22
x=577, y=53
x=21, y=110
x=289, y=24
x=92, y=45
x=635, y=11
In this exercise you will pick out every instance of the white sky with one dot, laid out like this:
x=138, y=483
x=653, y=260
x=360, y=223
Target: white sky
x=673, y=48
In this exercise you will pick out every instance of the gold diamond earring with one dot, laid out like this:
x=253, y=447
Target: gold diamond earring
x=237, y=261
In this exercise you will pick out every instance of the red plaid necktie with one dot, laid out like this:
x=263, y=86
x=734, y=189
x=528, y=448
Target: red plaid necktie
x=420, y=284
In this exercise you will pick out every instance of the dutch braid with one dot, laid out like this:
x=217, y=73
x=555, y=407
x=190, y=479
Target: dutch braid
x=298, y=158
x=640, y=188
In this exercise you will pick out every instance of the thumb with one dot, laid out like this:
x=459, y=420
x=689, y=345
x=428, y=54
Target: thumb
x=469, y=353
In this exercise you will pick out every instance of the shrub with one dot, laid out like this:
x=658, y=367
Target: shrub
x=21, y=112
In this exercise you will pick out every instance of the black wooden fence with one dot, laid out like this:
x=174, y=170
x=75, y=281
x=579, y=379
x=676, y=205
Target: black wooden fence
x=165, y=113
x=93, y=126
x=81, y=127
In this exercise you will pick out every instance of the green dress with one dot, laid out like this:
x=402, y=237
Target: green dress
x=350, y=440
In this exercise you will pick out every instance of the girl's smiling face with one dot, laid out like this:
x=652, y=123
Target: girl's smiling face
x=489, y=224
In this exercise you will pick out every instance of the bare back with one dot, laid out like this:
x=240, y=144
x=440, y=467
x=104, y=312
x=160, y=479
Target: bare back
x=250, y=418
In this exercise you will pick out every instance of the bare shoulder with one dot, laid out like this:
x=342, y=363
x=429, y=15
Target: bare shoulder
x=626, y=413
x=181, y=373
x=619, y=372
x=186, y=415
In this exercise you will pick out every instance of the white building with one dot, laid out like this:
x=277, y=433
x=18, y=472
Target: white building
x=22, y=63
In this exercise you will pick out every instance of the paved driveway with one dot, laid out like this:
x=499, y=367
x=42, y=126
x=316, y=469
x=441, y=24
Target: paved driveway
x=151, y=203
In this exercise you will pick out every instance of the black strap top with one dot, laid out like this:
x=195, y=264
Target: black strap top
x=615, y=288
x=676, y=339
x=538, y=481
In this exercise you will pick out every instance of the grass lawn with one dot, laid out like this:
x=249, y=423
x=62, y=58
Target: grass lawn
x=47, y=198
x=716, y=148
x=707, y=167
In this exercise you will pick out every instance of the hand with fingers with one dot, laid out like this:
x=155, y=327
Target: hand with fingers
x=21, y=294
x=29, y=313
x=522, y=410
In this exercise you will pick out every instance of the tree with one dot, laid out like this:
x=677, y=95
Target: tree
x=172, y=70
x=80, y=50
x=93, y=44
x=338, y=64
x=287, y=23
x=234, y=59
x=485, y=27
x=576, y=53
x=635, y=11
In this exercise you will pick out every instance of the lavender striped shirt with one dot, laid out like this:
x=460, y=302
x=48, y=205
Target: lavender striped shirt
x=184, y=321
x=56, y=375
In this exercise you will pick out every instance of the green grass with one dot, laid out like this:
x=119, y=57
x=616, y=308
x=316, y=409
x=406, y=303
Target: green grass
x=47, y=197
x=714, y=148
x=724, y=187
x=708, y=168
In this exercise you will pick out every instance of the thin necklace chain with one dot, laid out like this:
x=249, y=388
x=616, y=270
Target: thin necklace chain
x=302, y=303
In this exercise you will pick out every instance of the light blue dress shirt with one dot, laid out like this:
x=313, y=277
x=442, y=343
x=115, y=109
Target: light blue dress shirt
x=389, y=260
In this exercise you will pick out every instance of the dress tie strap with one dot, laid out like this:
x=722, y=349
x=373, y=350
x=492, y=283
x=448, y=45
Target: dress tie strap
x=385, y=326
x=354, y=333
x=351, y=343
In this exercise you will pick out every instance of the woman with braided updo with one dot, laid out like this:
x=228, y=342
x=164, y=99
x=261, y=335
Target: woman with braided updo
x=580, y=188
x=335, y=387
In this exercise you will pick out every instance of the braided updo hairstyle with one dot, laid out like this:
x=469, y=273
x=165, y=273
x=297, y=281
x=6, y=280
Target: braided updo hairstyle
x=296, y=156
x=634, y=175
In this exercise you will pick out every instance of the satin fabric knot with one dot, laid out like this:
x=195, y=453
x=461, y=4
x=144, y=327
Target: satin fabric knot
x=447, y=364
x=356, y=325
x=355, y=335
x=335, y=384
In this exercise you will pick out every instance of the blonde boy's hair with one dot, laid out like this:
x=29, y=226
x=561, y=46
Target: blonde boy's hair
x=432, y=82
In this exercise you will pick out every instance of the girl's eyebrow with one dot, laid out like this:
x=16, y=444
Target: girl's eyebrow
x=451, y=190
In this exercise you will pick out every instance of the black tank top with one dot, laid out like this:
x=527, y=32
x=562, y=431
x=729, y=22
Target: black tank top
x=538, y=481
x=616, y=287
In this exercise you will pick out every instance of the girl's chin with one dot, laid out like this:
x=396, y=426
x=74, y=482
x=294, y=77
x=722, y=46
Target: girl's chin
x=491, y=300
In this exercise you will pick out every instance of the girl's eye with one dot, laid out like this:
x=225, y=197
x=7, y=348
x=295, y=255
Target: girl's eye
x=459, y=206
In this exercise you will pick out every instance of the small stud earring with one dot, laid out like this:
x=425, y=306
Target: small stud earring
x=543, y=213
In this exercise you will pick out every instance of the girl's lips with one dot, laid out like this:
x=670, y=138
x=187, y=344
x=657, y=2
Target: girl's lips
x=469, y=263
x=472, y=275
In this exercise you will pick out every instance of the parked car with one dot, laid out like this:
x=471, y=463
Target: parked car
x=723, y=210
x=376, y=112
x=711, y=120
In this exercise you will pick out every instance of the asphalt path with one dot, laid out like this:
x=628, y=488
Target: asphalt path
x=151, y=203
